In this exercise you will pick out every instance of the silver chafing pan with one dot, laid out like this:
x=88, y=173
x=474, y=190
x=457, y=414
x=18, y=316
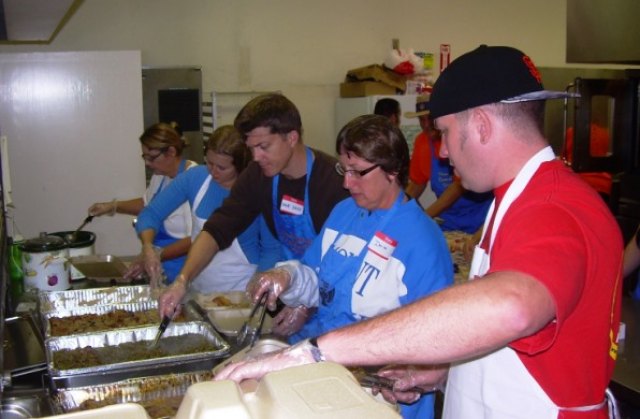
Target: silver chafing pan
x=143, y=390
x=64, y=378
x=67, y=300
x=98, y=310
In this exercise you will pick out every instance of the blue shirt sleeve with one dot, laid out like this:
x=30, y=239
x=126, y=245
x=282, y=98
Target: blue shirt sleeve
x=169, y=199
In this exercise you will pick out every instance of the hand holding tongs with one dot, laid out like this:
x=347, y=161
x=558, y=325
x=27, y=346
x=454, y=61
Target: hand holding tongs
x=250, y=331
x=163, y=326
x=383, y=383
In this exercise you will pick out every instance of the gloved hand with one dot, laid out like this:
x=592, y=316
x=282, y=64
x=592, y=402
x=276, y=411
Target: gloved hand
x=412, y=381
x=152, y=265
x=135, y=270
x=170, y=299
x=290, y=320
x=102, y=208
x=256, y=368
x=274, y=281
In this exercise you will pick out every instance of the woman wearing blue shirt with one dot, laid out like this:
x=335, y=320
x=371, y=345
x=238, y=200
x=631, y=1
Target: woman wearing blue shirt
x=205, y=187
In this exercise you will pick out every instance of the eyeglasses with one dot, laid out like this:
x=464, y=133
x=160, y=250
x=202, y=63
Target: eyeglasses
x=355, y=174
x=150, y=158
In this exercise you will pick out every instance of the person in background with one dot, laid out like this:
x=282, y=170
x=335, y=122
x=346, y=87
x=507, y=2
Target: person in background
x=292, y=186
x=390, y=108
x=162, y=146
x=457, y=208
x=598, y=147
x=533, y=335
x=204, y=188
x=377, y=250
x=632, y=261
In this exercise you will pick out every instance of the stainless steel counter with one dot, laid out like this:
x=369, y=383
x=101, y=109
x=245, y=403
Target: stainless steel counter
x=626, y=376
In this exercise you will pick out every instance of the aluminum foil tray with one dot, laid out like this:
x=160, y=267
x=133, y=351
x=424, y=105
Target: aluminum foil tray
x=99, y=310
x=66, y=300
x=219, y=347
x=137, y=390
x=188, y=313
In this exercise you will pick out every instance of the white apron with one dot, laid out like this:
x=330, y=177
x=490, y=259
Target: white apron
x=230, y=269
x=498, y=385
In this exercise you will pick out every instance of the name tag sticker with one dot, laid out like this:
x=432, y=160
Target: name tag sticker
x=291, y=205
x=382, y=245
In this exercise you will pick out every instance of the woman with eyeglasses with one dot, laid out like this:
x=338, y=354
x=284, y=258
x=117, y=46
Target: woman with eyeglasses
x=377, y=251
x=204, y=188
x=162, y=146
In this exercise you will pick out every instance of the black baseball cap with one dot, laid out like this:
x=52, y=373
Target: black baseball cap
x=488, y=74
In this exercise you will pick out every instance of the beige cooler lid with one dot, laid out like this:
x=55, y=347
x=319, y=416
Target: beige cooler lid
x=322, y=390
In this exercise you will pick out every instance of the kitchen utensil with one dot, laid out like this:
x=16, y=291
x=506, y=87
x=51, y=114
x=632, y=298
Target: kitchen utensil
x=45, y=263
x=163, y=326
x=72, y=237
x=250, y=331
x=371, y=380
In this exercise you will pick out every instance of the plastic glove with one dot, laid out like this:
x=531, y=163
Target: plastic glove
x=275, y=281
x=412, y=381
x=135, y=270
x=152, y=265
x=102, y=208
x=170, y=299
x=290, y=320
x=256, y=368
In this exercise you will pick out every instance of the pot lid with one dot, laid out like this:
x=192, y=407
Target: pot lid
x=43, y=243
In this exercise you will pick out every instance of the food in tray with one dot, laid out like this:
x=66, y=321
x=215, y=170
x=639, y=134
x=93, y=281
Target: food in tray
x=116, y=319
x=223, y=301
x=165, y=407
x=160, y=395
x=190, y=343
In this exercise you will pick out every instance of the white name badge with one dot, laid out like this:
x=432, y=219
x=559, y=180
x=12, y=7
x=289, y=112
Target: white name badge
x=382, y=245
x=291, y=205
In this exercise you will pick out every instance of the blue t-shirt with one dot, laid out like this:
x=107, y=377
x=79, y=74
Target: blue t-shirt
x=414, y=262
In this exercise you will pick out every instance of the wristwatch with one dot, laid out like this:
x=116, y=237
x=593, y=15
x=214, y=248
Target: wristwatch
x=316, y=353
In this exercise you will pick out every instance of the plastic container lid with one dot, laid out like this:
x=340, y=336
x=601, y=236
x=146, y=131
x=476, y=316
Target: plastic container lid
x=43, y=243
x=321, y=390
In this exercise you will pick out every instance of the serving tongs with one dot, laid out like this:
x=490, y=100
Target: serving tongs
x=370, y=380
x=163, y=326
x=250, y=331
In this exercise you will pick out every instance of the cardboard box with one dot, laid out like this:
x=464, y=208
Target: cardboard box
x=365, y=88
x=378, y=73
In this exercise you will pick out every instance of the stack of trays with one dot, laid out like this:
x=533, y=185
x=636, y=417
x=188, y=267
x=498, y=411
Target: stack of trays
x=124, y=352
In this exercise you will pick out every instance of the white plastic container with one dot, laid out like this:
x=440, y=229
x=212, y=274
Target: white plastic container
x=83, y=245
x=321, y=390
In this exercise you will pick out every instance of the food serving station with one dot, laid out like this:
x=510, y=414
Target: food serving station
x=91, y=349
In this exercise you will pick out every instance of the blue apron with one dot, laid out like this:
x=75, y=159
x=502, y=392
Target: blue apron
x=171, y=267
x=468, y=212
x=295, y=232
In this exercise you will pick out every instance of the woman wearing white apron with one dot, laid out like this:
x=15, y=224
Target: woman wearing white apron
x=205, y=187
x=162, y=146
